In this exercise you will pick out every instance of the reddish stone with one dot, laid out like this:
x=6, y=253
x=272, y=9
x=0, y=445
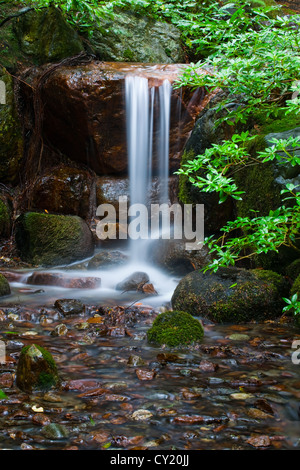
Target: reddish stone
x=144, y=374
x=6, y=380
x=84, y=112
x=60, y=280
x=207, y=366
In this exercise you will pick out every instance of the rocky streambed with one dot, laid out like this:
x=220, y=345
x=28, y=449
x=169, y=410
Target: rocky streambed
x=238, y=388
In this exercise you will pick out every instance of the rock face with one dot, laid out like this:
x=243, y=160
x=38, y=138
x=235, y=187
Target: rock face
x=36, y=37
x=11, y=138
x=84, y=113
x=65, y=190
x=129, y=37
x=36, y=369
x=231, y=295
x=49, y=240
x=5, y=218
x=4, y=286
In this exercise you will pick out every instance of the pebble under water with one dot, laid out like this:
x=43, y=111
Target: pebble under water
x=237, y=389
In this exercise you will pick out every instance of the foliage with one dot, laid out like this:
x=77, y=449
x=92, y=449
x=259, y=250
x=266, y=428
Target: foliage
x=258, y=65
x=293, y=304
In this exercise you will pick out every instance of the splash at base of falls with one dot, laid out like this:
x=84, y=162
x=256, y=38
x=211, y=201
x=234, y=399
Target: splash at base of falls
x=164, y=285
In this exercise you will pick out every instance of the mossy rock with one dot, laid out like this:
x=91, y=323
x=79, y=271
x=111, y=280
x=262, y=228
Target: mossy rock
x=293, y=269
x=36, y=369
x=296, y=286
x=48, y=239
x=128, y=37
x=231, y=295
x=4, y=286
x=175, y=328
x=36, y=37
x=11, y=136
x=5, y=219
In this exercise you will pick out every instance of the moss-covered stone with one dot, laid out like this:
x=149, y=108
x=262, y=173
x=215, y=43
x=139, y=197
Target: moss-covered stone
x=4, y=286
x=48, y=239
x=175, y=328
x=296, y=286
x=231, y=295
x=293, y=269
x=36, y=369
x=5, y=219
x=128, y=37
x=11, y=136
x=36, y=37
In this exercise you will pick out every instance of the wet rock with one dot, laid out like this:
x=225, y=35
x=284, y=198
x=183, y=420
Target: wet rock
x=65, y=190
x=4, y=286
x=133, y=281
x=107, y=259
x=259, y=441
x=174, y=328
x=173, y=256
x=239, y=337
x=141, y=415
x=36, y=369
x=69, y=306
x=207, y=366
x=231, y=295
x=148, y=289
x=60, y=280
x=96, y=89
x=59, y=330
x=6, y=380
x=48, y=239
x=135, y=361
x=144, y=374
x=55, y=431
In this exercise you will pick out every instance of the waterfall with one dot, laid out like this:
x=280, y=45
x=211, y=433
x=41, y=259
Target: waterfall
x=141, y=120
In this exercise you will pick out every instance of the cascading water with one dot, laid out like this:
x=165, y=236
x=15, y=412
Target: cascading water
x=149, y=124
x=140, y=100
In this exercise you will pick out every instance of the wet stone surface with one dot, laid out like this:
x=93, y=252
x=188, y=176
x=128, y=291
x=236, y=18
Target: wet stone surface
x=237, y=389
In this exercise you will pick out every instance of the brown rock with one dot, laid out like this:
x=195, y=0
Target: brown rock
x=144, y=374
x=57, y=279
x=66, y=191
x=91, y=109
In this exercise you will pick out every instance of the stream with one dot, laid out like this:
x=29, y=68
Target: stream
x=237, y=389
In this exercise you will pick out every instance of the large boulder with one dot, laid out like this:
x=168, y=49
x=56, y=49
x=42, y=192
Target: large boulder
x=64, y=190
x=11, y=137
x=85, y=115
x=48, y=239
x=231, y=295
x=37, y=37
x=131, y=38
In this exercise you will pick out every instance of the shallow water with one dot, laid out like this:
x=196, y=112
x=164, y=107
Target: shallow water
x=222, y=394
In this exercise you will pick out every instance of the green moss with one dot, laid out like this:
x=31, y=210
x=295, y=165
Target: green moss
x=50, y=239
x=231, y=295
x=37, y=369
x=296, y=286
x=4, y=220
x=4, y=286
x=11, y=138
x=175, y=328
